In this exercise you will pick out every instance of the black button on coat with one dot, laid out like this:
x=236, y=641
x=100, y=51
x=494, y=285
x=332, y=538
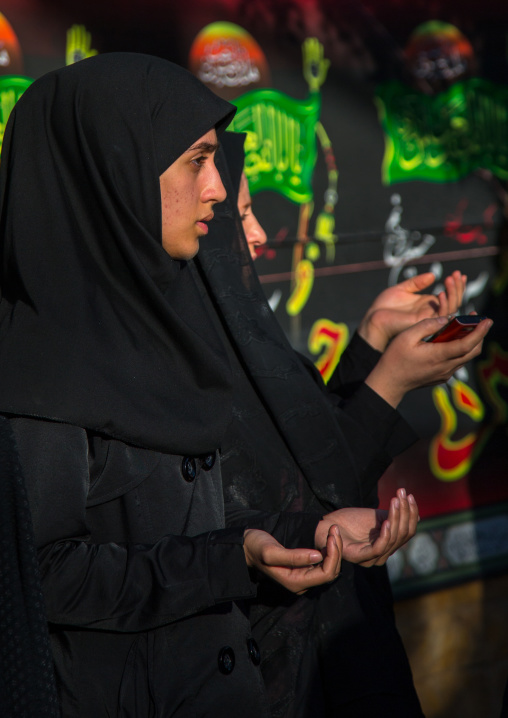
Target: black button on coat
x=189, y=468
x=226, y=660
x=254, y=652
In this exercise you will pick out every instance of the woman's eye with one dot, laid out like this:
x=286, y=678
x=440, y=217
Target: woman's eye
x=199, y=161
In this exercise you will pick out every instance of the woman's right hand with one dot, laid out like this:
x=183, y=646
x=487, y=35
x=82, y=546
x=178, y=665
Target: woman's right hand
x=296, y=569
x=371, y=536
x=409, y=362
x=399, y=307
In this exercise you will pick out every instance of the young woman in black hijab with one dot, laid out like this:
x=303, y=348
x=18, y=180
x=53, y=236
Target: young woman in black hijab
x=299, y=445
x=117, y=391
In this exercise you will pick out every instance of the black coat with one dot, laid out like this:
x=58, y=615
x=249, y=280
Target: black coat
x=141, y=589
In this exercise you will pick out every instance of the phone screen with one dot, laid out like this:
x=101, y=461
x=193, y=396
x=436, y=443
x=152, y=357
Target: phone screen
x=456, y=328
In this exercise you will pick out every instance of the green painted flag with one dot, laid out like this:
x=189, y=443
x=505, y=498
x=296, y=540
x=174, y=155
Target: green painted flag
x=444, y=137
x=280, y=149
x=11, y=89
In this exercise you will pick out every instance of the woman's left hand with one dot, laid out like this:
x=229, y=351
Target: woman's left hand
x=401, y=306
x=370, y=536
x=296, y=569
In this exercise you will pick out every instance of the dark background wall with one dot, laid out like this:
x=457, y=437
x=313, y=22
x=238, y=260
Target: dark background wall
x=386, y=91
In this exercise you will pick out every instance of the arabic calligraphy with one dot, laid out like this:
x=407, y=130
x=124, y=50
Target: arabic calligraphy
x=467, y=233
x=401, y=246
x=226, y=63
x=280, y=148
x=443, y=137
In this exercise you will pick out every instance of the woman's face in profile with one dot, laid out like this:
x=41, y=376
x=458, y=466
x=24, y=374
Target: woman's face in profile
x=189, y=189
x=254, y=232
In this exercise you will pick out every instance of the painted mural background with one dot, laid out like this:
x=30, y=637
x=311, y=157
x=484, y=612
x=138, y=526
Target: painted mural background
x=377, y=149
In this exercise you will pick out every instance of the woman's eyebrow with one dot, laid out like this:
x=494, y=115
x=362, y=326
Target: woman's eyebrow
x=204, y=147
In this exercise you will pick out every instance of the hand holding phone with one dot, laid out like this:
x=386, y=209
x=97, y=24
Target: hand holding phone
x=456, y=328
x=409, y=362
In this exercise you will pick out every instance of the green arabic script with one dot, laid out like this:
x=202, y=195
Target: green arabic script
x=444, y=137
x=280, y=148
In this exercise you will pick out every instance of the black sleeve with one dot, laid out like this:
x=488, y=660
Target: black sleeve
x=371, y=414
x=292, y=530
x=375, y=431
x=119, y=587
x=387, y=434
x=356, y=363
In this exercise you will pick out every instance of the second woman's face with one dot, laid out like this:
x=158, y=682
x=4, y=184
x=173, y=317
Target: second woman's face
x=254, y=232
x=189, y=189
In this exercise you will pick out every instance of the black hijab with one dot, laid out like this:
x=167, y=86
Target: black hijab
x=99, y=327
x=283, y=448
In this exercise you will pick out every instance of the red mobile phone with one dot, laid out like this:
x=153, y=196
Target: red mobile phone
x=456, y=328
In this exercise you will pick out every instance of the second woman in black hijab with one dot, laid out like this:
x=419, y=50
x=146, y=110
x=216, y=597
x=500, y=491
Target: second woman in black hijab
x=298, y=445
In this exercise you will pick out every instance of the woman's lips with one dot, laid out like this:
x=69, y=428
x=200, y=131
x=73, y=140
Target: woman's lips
x=202, y=223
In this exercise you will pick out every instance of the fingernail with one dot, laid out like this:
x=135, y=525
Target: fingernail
x=403, y=493
x=411, y=499
x=396, y=503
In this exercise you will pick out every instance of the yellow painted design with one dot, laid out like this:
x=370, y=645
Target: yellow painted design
x=330, y=339
x=467, y=400
x=304, y=280
x=493, y=373
x=79, y=44
x=449, y=459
